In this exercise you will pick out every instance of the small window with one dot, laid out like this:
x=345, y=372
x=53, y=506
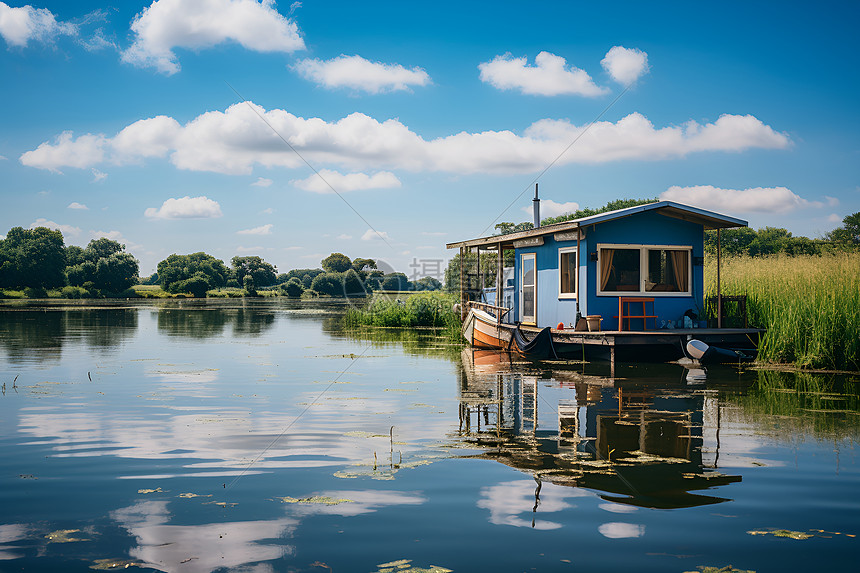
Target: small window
x=668, y=271
x=568, y=265
x=619, y=270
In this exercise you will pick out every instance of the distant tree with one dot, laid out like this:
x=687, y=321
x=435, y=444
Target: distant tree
x=306, y=280
x=336, y=263
x=264, y=273
x=197, y=284
x=588, y=212
x=101, y=249
x=249, y=285
x=150, y=280
x=395, y=282
x=116, y=272
x=175, y=269
x=352, y=283
x=74, y=255
x=328, y=283
x=506, y=228
x=103, y=266
x=293, y=287
x=363, y=267
x=849, y=232
x=32, y=258
x=427, y=283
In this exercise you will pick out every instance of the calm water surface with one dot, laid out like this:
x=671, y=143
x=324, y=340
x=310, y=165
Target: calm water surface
x=260, y=436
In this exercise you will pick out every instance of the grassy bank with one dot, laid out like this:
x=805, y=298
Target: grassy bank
x=423, y=309
x=810, y=305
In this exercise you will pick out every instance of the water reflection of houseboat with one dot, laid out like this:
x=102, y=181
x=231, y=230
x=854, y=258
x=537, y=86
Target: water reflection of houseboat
x=636, y=442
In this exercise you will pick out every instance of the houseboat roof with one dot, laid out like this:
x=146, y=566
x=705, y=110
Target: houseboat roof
x=708, y=219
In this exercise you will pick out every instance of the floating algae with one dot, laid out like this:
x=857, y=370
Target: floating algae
x=64, y=536
x=726, y=569
x=108, y=564
x=316, y=499
x=406, y=566
x=190, y=495
x=783, y=533
x=156, y=490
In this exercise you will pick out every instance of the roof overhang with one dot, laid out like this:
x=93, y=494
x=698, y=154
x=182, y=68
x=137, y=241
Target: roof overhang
x=708, y=219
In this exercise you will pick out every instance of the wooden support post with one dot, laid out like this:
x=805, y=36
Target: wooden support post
x=500, y=290
x=719, y=292
x=462, y=293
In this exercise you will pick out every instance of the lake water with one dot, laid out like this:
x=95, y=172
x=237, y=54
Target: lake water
x=260, y=436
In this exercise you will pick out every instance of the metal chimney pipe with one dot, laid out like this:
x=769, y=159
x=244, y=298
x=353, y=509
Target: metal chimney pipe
x=536, y=207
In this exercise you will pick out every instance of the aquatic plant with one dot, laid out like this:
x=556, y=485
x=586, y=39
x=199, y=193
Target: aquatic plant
x=810, y=305
x=424, y=309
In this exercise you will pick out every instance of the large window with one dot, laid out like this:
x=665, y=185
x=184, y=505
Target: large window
x=568, y=266
x=643, y=269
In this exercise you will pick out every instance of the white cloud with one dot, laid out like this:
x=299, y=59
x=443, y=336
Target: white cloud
x=625, y=65
x=549, y=208
x=346, y=182
x=65, y=229
x=267, y=211
x=98, y=176
x=2, y=158
x=186, y=208
x=834, y=218
x=236, y=140
x=20, y=25
x=550, y=76
x=344, y=237
x=112, y=235
x=263, y=230
x=357, y=73
x=262, y=182
x=76, y=205
x=831, y=201
x=250, y=249
x=758, y=199
x=371, y=235
x=80, y=153
x=200, y=24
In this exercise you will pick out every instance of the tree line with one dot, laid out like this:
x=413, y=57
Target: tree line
x=37, y=260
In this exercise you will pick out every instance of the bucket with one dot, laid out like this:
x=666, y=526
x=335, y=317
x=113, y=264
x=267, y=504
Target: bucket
x=593, y=322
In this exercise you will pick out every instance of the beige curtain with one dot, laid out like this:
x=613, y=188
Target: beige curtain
x=605, y=266
x=679, y=268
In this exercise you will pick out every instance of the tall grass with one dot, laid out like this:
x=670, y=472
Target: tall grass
x=810, y=305
x=423, y=309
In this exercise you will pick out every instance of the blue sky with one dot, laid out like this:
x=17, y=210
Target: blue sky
x=163, y=124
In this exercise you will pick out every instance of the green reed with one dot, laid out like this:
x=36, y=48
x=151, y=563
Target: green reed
x=424, y=309
x=810, y=305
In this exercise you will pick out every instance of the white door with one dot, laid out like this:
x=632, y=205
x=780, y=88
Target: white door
x=528, y=284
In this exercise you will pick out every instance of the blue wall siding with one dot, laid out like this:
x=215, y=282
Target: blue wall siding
x=646, y=229
x=550, y=309
x=640, y=229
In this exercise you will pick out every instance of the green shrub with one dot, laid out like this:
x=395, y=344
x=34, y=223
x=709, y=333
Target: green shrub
x=74, y=292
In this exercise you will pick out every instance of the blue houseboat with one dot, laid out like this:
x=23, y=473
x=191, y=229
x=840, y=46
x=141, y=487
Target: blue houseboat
x=631, y=280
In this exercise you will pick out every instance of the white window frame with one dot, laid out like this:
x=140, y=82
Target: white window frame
x=643, y=269
x=575, y=293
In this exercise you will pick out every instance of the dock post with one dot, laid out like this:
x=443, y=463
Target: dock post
x=612, y=361
x=500, y=291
